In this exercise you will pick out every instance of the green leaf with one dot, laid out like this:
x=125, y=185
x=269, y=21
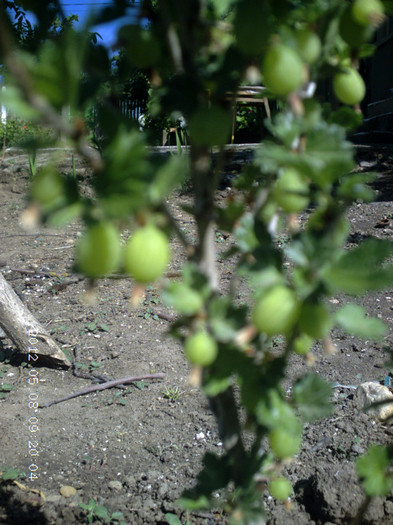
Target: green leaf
x=118, y=515
x=226, y=318
x=196, y=280
x=172, y=519
x=355, y=187
x=346, y=117
x=64, y=216
x=101, y=512
x=245, y=235
x=11, y=474
x=352, y=318
x=372, y=470
x=273, y=411
x=182, y=298
x=215, y=386
x=328, y=153
x=222, y=6
x=194, y=503
x=311, y=395
x=6, y=387
x=328, y=156
x=361, y=269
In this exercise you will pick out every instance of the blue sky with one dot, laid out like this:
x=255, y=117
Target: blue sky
x=83, y=8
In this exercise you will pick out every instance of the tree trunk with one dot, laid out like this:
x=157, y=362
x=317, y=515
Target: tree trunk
x=27, y=334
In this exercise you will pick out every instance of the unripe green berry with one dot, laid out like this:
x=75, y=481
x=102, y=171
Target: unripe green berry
x=282, y=70
x=349, y=86
x=200, y=348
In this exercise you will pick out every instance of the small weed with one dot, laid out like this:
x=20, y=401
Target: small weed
x=172, y=519
x=92, y=367
x=59, y=329
x=5, y=388
x=95, y=326
x=118, y=397
x=11, y=474
x=172, y=394
x=33, y=163
x=94, y=511
x=149, y=314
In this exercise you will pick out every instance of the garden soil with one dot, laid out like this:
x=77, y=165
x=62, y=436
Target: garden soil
x=135, y=450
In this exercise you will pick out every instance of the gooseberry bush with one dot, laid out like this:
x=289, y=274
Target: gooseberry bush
x=195, y=53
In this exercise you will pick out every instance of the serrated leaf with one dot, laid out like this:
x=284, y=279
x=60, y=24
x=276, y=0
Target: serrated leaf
x=311, y=395
x=101, y=512
x=352, y=318
x=372, y=470
x=328, y=156
x=361, y=269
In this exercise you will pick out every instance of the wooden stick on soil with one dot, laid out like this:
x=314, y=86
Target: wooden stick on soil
x=22, y=327
x=102, y=386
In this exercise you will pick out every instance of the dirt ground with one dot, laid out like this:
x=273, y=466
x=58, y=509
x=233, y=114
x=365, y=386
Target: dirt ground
x=136, y=450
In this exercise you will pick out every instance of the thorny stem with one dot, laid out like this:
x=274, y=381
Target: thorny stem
x=224, y=404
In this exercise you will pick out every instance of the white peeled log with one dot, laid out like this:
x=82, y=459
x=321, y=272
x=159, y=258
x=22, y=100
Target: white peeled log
x=20, y=326
x=367, y=394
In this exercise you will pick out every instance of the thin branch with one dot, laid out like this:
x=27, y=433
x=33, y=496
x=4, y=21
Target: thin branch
x=102, y=386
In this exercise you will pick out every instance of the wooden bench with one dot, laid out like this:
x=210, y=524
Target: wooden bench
x=249, y=96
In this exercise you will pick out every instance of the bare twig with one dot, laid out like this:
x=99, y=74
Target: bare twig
x=103, y=386
x=164, y=316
